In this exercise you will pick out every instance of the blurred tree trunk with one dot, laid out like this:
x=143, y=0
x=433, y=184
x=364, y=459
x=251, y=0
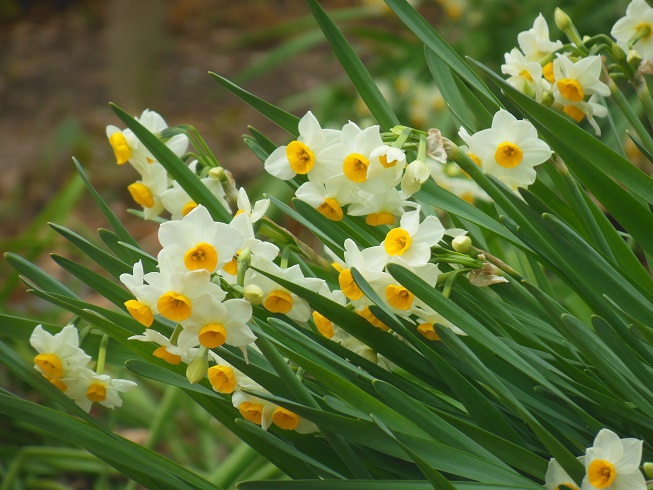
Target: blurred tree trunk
x=135, y=42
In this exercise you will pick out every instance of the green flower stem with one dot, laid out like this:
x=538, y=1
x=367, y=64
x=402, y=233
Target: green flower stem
x=403, y=137
x=161, y=418
x=421, y=149
x=199, y=144
x=583, y=210
x=235, y=464
x=642, y=91
x=175, y=334
x=632, y=118
x=102, y=354
x=303, y=395
x=451, y=279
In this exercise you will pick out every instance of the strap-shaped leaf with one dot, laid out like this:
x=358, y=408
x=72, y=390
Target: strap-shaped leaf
x=281, y=118
x=175, y=167
x=423, y=30
x=358, y=74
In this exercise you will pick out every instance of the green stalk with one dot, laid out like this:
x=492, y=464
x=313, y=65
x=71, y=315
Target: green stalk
x=102, y=354
x=238, y=460
x=632, y=118
x=303, y=395
x=582, y=209
x=642, y=91
x=163, y=413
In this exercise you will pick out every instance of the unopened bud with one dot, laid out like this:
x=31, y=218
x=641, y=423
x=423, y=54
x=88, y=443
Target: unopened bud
x=634, y=59
x=217, y=173
x=254, y=294
x=618, y=53
x=648, y=469
x=416, y=174
x=562, y=20
x=461, y=244
x=527, y=88
x=196, y=370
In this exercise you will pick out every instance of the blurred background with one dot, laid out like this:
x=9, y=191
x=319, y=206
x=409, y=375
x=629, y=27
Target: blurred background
x=63, y=61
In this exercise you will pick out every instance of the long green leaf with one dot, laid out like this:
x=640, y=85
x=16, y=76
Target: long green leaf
x=425, y=32
x=37, y=276
x=355, y=69
x=278, y=116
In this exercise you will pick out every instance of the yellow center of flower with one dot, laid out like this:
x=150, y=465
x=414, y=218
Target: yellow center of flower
x=331, y=209
x=574, y=112
x=140, y=311
x=168, y=357
x=96, y=392
x=57, y=382
x=398, y=296
x=278, y=302
x=547, y=71
x=212, y=335
x=231, y=267
x=566, y=486
x=428, y=331
x=50, y=364
x=525, y=74
x=348, y=286
x=397, y=241
x=141, y=194
x=601, y=473
x=120, y=147
x=571, y=89
x=508, y=155
x=369, y=316
x=188, y=207
x=202, y=256
x=355, y=167
x=174, y=306
x=323, y=324
x=474, y=159
x=301, y=158
x=337, y=266
x=251, y=411
x=285, y=418
x=222, y=379
x=383, y=159
x=377, y=219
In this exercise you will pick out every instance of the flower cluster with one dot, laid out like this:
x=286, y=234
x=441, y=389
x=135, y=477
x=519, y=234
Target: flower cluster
x=62, y=362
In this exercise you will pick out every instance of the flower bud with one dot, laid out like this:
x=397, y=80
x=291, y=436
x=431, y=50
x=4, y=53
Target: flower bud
x=527, y=88
x=253, y=294
x=461, y=244
x=196, y=370
x=547, y=98
x=416, y=174
x=618, y=53
x=634, y=59
x=648, y=469
x=217, y=173
x=562, y=20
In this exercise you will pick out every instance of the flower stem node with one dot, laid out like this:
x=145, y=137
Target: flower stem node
x=462, y=244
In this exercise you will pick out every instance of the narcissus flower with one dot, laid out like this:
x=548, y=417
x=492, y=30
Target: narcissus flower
x=147, y=192
x=328, y=198
x=636, y=27
x=127, y=147
x=58, y=353
x=412, y=240
x=590, y=109
x=359, y=145
x=613, y=463
x=525, y=75
x=317, y=153
x=199, y=242
x=574, y=82
x=143, y=307
x=535, y=42
x=244, y=206
x=214, y=323
x=166, y=350
x=99, y=388
x=510, y=149
x=265, y=413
